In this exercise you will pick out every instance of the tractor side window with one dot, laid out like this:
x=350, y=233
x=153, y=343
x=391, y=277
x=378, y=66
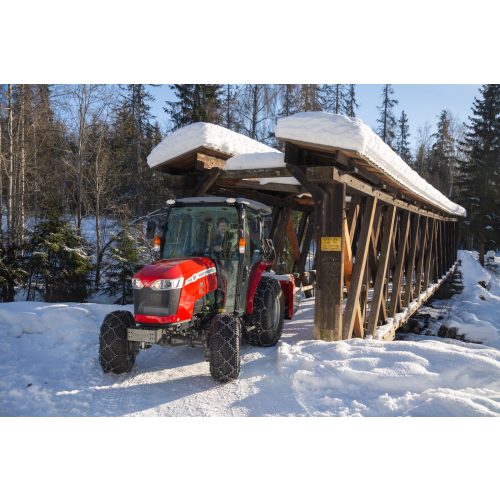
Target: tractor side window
x=253, y=248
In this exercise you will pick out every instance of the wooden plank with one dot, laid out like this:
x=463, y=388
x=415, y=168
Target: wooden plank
x=421, y=254
x=359, y=268
x=302, y=227
x=207, y=162
x=411, y=261
x=206, y=183
x=398, y=273
x=330, y=268
x=378, y=289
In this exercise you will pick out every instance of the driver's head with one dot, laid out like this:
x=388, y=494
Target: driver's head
x=222, y=225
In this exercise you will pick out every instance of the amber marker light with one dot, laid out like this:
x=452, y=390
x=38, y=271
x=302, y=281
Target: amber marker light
x=156, y=248
x=242, y=245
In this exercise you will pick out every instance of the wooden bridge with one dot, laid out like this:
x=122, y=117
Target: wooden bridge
x=381, y=249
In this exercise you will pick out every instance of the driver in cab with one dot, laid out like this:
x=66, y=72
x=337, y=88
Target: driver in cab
x=225, y=242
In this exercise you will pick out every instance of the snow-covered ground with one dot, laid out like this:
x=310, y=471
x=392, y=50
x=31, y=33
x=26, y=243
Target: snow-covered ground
x=49, y=367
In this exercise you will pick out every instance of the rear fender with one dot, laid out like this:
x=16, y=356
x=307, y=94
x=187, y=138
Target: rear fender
x=253, y=281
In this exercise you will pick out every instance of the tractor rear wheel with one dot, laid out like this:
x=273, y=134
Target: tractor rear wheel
x=114, y=355
x=225, y=347
x=268, y=314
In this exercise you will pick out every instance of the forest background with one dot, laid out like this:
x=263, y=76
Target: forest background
x=74, y=175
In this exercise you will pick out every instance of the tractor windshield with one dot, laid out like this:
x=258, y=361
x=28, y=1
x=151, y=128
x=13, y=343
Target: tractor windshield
x=207, y=230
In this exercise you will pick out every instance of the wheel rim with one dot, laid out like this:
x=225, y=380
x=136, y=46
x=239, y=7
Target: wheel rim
x=276, y=313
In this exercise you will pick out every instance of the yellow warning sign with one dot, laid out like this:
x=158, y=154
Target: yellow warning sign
x=331, y=244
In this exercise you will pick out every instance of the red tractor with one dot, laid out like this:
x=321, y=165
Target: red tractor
x=209, y=287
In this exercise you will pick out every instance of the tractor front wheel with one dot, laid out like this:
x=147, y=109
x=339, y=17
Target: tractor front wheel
x=114, y=355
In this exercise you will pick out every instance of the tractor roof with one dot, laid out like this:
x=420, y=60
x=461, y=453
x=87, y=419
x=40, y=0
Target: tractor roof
x=254, y=205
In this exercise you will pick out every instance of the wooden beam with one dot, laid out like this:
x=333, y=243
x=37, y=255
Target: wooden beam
x=300, y=175
x=359, y=268
x=279, y=237
x=206, y=183
x=207, y=162
x=421, y=254
x=411, y=260
x=324, y=175
x=256, y=173
x=398, y=273
x=428, y=260
x=246, y=184
x=330, y=268
x=275, y=215
x=378, y=288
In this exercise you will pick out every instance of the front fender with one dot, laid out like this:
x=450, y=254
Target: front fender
x=253, y=281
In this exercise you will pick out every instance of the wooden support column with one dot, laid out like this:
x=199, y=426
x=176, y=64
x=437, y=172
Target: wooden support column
x=415, y=220
x=378, y=289
x=329, y=225
x=398, y=273
x=359, y=268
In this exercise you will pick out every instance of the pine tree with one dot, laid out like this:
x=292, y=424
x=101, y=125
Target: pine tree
x=333, y=98
x=197, y=103
x=126, y=259
x=442, y=157
x=402, y=144
x=387, y=121
x=350, y=101
x=289, y=100
x=57, y=260
x=479, y=174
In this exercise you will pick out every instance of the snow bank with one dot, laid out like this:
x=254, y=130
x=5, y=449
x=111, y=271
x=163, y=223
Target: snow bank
x=372, y=378
x=342, y=132
x=204, y=135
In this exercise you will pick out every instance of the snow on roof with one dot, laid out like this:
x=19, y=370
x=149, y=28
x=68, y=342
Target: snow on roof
x=262, y=160
x=206, y=135
x=342, y=132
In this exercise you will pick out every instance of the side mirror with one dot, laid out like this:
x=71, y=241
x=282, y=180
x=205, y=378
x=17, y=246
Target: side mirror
x=150, y=231
x=255, y=230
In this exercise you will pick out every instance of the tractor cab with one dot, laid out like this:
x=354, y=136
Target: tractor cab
x=208, y=285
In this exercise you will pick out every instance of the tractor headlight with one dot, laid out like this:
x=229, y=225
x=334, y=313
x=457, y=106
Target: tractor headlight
x=167, y=284
x=137, y=283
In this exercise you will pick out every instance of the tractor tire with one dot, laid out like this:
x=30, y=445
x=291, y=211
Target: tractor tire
x=225, y=339
x=268, y=314
x=114, y=355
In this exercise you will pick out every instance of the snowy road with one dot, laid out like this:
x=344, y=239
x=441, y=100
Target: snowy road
x=49, y=367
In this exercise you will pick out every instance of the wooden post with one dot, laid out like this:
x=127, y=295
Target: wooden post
x=280, y=232
x=359, y=268
x=428, y=259
x=398, y=273
x=378, y=288
x=329, y=225
x=274, y=221
x=421, y=254
x=411, y=261
x=305, y=253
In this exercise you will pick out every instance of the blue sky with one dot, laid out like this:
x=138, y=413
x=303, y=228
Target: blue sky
x=420, y=102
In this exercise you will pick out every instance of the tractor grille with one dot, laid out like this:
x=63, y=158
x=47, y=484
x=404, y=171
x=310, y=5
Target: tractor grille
x=156, y=303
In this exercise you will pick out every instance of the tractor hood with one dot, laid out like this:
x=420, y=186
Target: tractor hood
x=184, y=267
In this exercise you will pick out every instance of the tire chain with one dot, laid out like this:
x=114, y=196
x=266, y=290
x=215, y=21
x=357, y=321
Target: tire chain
x=255, y=335
x=113, y=356
x=225, y=356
